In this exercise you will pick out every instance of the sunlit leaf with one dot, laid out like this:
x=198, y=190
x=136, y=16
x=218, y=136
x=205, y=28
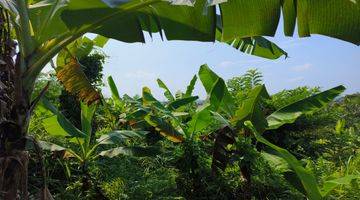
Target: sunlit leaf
x=290, y=113
x=75, y=82
x=191, y=86
x=167, y=92
x=61, y=125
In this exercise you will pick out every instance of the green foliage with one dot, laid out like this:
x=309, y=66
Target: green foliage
x=92, y=66
x=287, y=97
x=322, y=143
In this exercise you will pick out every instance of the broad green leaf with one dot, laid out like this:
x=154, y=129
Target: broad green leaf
x=255, y=45
x=217, y=94
x=87, y=114
x=167, y=92
x=181, y=102
x=197, y=22
x=330, y=185
x=276, y=162
x=100, y=41
x=190, y=87
x=209, y=79
x=290, y=113
x=307, y=178
x=45, y=19
x=165, y=128
x=114, y=91
x=130, y=151
x=244, y=18
x=250, y=109
x=50, y=146
x=138, y=114
x=150, y=101
x=64, y=123
x=200, y=120
x=338, y=19
x=119, y=136
x=137, y=16
x=53, y=127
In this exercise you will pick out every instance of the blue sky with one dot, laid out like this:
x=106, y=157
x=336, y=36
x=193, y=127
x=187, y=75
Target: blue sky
x=315, y=61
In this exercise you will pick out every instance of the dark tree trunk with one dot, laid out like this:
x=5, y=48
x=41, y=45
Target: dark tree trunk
x=246, y=174
x=14, y=119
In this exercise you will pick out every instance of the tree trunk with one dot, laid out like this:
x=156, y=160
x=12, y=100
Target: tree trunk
x=246, y=175
x=14, y=119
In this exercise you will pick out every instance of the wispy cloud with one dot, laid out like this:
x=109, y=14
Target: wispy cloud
x=301, y=68
x=140, y=74
x=296, y=79
x=290, y=43
x=228, y=63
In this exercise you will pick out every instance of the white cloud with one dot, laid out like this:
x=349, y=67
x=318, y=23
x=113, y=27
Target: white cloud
x=226, y=63
x=296, y=79
x=140, y=74
x=301, y=68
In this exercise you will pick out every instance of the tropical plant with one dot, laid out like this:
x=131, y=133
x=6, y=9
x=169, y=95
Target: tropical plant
x=91, y=62
x=44, y=28
x=85, y=149
x=237, y=124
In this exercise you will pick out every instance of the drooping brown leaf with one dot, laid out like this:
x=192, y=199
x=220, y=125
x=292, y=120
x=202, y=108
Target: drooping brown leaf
x=75, y=82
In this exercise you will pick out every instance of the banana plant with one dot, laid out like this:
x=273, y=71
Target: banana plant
x=84, y=149
x=250, y=117
x=133, y=110
x=43, y=28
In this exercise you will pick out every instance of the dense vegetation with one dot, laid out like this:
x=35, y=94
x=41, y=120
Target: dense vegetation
x=239, y=143
x=326, y=141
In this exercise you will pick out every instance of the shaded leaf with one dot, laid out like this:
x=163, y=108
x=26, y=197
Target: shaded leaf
x=50, y=146
x=181, y=102
x=220, y=157
x=330, y=185
x=62, y=123
x=251, y=110
x=119, y=136
x=165, y=128
x=307, y=178
x=130, y=151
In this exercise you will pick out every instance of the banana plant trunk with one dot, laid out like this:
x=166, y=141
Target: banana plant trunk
x=14, y=118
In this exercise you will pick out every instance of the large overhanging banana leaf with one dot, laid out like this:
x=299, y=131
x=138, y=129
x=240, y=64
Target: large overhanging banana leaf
x=240, y=18
x=48, y=26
